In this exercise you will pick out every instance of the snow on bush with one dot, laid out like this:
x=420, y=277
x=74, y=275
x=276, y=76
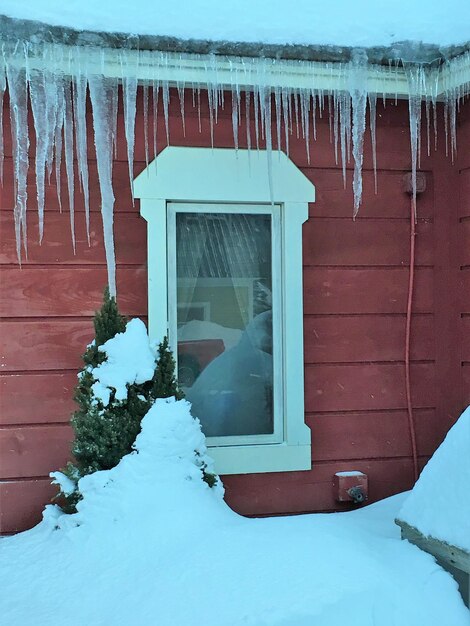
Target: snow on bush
x=129, y=360
x=439, y=505
x=164, y=471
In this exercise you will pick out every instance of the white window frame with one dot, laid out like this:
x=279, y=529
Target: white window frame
x=241, y=177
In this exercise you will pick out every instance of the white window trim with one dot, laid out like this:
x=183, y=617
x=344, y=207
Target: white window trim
x=227, y=176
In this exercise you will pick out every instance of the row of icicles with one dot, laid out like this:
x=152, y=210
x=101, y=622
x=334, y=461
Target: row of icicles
x=55, y=81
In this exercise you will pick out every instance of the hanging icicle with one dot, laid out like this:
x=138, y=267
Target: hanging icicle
x=273, y=96
x=101, y=97
x=358, y=91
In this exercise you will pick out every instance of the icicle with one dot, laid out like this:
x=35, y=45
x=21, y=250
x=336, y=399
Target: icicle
x=18, y=91
x=235, y=102
x=114, y=113
x=199, y=109
x=155, y=94
x=145, y=96
x=373, y=133
x=37, y=92
x=265, y=108
x=336, y=124
x=277, y=102
x=453, y=100
x=58, y=124
x=68, y=147
x=414, y=76
x=305, y=118
x=330, y=116
x=101, y=90
x=286, y=114
x=166, y=102
x=53, y=82
x=314, y=114
x=180, y=89
x=358, y=91
x=256, y=108
x=296, y=112
x=345, y=130
x=79, y=101
x=248, y=120
x=129, y=85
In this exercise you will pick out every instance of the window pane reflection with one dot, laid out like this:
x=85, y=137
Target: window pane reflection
x=224, y=320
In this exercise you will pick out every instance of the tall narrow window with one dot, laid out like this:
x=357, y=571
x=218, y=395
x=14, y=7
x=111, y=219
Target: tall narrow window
x=225, y=283
x=225, y=314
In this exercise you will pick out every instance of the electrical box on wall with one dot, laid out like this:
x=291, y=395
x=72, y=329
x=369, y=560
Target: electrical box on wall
x=350, y=486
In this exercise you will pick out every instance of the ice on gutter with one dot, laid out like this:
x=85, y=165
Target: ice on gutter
x=279, y=96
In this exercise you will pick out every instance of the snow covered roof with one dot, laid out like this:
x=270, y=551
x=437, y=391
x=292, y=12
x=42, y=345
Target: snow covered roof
x=422, y=30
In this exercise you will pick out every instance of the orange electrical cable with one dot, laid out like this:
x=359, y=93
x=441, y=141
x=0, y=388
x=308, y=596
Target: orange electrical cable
x=411, y=423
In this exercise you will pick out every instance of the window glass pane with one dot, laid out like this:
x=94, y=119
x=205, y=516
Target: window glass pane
x=224, y=320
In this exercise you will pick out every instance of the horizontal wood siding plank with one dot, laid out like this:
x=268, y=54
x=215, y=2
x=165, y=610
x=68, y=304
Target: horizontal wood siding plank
x=130, y=234
x=466, y=384
x=59, y=291
x=465, y=243
x=22, y=503
x=44, y=345
x=365, y=242
x=121, y=188
x=464, y=287
x=374, y=434
x=366, y=338
x=37, y=398
x=334, y=200
x=367, y=387
x=465, y=335
x=464, y=204
x=34, y=450
x=298, y=492
x=335, y=290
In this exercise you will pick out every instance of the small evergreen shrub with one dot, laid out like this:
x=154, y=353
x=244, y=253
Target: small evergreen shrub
x=104, y=434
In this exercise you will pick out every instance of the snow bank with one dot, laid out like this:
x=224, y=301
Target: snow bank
x=341, y=23
x=152, y=544
x=439, y=505
x=129, y=360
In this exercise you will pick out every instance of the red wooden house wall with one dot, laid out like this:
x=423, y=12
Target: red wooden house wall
x=355, y=290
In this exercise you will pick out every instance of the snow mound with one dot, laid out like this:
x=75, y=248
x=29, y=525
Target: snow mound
x=152, y=544
x=439, y=506
x=162, y=478
x=129, y=360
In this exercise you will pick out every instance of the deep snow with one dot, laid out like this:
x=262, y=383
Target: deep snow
x=152, y=544
x=439, y=505
x=361, y=23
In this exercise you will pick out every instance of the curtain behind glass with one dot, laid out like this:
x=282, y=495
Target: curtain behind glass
x=224, y=275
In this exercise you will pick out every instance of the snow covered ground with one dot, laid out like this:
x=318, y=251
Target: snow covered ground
x=342, y=23
x=152, y=544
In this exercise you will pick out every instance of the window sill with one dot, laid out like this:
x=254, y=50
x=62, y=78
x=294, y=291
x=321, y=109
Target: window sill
x=257, y=459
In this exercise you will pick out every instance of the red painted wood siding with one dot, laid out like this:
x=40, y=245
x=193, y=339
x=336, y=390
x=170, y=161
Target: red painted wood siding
x=355, y=288
x=463, y=251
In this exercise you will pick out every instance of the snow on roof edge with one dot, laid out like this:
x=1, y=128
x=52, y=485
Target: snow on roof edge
x=13, y=29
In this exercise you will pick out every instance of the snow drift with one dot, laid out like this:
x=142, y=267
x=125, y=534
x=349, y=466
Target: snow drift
x=152, y=544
